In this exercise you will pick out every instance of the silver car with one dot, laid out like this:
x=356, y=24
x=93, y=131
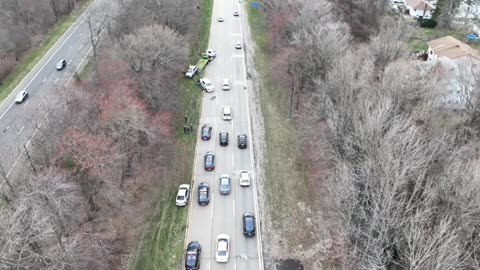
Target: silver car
x=225, y=184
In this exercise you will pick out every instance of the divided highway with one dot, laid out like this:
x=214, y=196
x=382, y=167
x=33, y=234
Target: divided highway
x=223, y=215
x=19, y=122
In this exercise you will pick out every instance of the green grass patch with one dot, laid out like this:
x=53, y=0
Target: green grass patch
x=284, y=167
x=162, y=245
x=31, y=59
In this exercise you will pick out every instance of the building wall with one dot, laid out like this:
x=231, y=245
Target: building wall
x=419, y=12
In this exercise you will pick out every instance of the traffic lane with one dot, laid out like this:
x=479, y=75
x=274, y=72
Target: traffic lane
x=247, y=248
x=223, y=223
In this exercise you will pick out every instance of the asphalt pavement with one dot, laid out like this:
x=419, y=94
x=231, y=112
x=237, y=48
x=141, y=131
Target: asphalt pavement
x=223, y=215
x=19, y=122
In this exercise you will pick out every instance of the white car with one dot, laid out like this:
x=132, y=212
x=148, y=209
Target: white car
x=227, y=113
x=220, y=19
x=236, y=14
x=207, y=85
x=211, y=53
x=226, y=84
x=238, y=45
x=192, y=70
x=223, y=243
x=21, y=96
x=183, y=195
x=244, y=179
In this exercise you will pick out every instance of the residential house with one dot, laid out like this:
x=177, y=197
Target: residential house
x=419, y=8
x=459, y=67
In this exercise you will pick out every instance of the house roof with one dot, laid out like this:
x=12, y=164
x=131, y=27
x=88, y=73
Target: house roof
x=452, y=48
x=419, y=4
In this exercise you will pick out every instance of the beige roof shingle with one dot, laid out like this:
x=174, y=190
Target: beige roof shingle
x=451, y=48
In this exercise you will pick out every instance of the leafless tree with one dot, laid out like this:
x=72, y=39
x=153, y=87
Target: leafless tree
x=153, y=47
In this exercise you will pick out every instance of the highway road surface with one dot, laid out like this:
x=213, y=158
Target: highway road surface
x=19, y=122
x=223, y=215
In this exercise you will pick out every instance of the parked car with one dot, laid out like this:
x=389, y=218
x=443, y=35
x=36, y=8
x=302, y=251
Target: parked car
x=238, y=45
x=203, y=193
x=21, y=96
x=211, y=53
x=248, y=224
x=242, y=141
x=244, y=179
x=220, y=19
x=183, y=195
x=192, y=256
x=209, y=161
x=227, y=113
x=206, y=132
x=223, y=242
x=226, y=84
x=61, y=64
x=223, y=138
x=225, y=184
x=206, y=85
x=191, y=71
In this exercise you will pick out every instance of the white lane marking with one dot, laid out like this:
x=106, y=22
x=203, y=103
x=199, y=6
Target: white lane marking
x=56, y=80
x=69, y=47
x=79, y=65
x=211, y=212
x=26, y=103
x=6, y=111
x=20, y=130
x=44, y=80
x=70, y=61
x=252, y=165
x=233, y=207
x=41, y=60
x=238, y=55
x=81, y=46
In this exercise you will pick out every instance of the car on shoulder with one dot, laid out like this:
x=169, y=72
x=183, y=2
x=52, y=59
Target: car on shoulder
x=21, y=96
x=223, y=138
x=191, y=71
x=248, y=221
x=236, y=14
x=61, y=64
x=211, y=53
x=226, y=84
x=244, y=179
x=206, y=85
x=203, y=193
x=238, y=45
x=192, y=256
x=206, y=132
x=220, y=19
x=183, y=195
x=209, y=161
x=242, y=141
x=223, y=246
x=225, y=184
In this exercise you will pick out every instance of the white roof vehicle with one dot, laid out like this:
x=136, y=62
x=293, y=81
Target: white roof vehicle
x=244, y=179
x=211, y=53
x=220, y=19
x=21, y=96
x=227, y=113
x=192, y=70
x=223, y=243
x=238, y=45
x=183, y=195
x=226, y=84
x=207, y=85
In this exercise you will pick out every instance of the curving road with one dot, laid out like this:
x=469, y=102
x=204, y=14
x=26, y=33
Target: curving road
x=224, y=212
x=19, y=122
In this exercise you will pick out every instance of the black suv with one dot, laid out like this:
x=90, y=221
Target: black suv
x=203, y=193
x=223, y=137
x=242, y=141
x=248, y=224
x=192, y=258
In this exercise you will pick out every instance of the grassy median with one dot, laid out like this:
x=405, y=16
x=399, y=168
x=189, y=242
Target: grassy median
x=31, y=59
x=162, y=243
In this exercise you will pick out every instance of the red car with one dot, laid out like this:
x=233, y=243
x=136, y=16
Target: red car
x=209, y=161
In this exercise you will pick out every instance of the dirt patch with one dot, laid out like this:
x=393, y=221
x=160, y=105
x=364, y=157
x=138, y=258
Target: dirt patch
x=289, y=264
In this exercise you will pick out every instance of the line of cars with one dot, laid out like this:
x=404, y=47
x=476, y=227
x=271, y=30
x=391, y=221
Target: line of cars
x=223, y=242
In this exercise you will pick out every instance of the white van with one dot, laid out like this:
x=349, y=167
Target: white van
x=227, y=113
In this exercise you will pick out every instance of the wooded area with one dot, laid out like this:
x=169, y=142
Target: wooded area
x=107, y=147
